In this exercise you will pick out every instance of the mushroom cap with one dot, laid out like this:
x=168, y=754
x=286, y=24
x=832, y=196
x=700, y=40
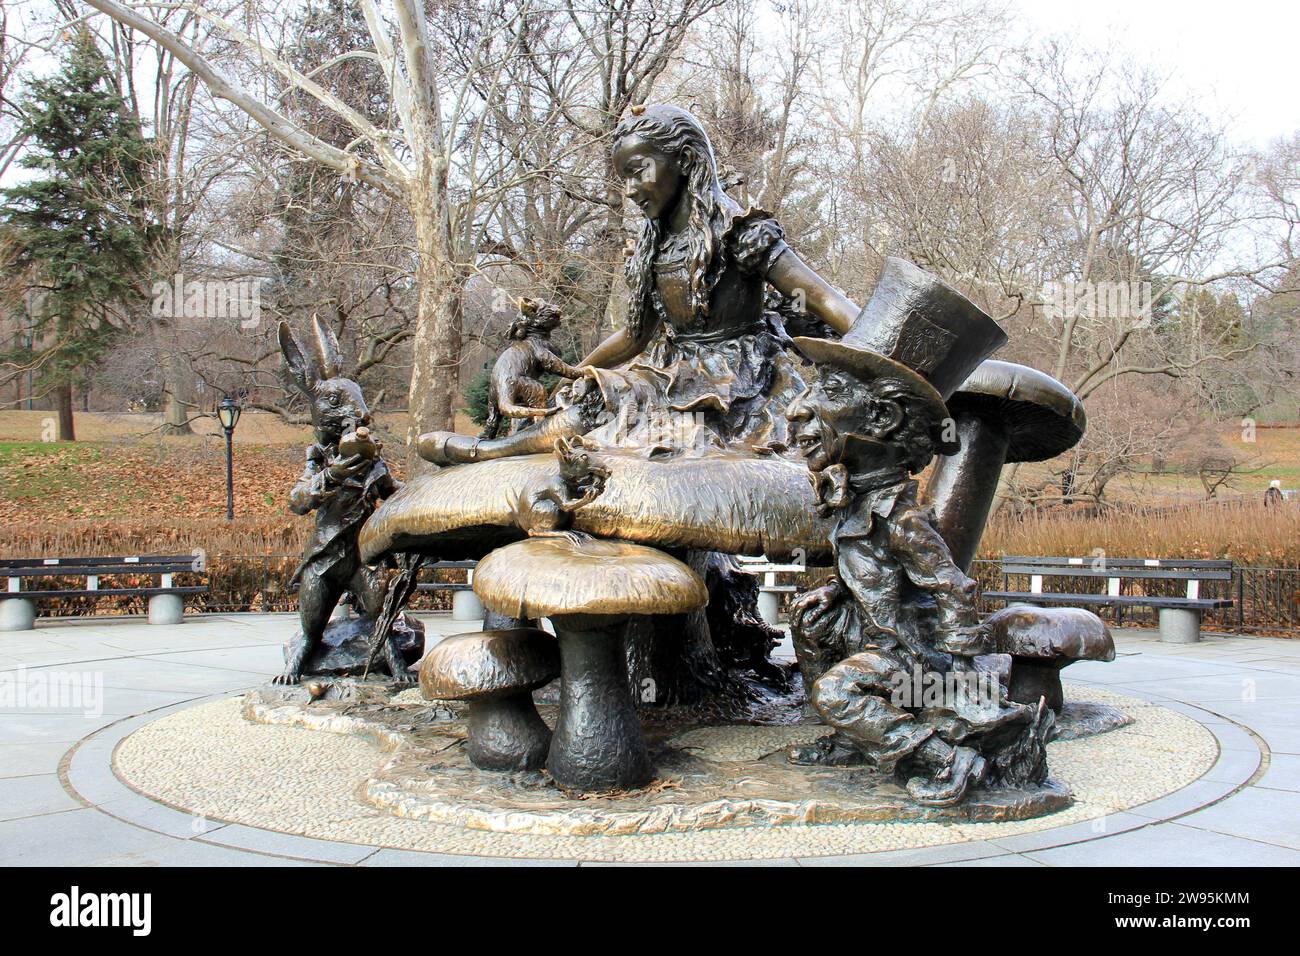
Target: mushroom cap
x=727, y=502
x=486, y=664
x=1043, y=418
x=551, y=575
x=1050, y=633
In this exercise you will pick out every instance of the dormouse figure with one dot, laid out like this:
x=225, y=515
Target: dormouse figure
x=547, y=505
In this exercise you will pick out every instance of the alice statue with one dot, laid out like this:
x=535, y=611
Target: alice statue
x=700, y=366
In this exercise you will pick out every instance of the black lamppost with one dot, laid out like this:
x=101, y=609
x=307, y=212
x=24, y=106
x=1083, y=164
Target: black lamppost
x=228, y=414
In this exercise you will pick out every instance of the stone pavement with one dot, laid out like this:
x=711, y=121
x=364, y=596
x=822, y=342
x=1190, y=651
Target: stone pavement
x=71, y=690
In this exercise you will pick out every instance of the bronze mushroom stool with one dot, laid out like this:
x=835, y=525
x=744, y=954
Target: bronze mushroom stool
x=1004, y=413
x=589, y=587
x=496, y=672
x=1042, y=641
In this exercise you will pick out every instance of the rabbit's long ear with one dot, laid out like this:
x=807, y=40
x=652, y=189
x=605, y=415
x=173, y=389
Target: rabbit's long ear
x=302, y=370
x=327, y=349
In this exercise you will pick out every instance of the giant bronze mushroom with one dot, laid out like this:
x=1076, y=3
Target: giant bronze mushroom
x=496, y=672
x=1003, y=413
x=589, y=587
x=727, y=502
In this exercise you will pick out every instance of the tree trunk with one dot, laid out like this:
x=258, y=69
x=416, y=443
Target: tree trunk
x=63, y=402
x=435, y=369
x=176, y=396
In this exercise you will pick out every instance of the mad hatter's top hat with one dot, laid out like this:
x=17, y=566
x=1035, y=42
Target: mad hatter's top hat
x=917, y=329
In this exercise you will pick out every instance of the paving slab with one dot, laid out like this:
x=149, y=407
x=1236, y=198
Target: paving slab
x=1255, y=813
x=26, y=759
x=1283, y=773
x=22, y=797
x=1008, y=859
x=921, y=856
x=1228, y=683
x=195, y=853
x=286, y=844
x=84, y=837
x=1168, y=844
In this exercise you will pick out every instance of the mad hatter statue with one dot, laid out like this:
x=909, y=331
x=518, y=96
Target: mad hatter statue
x=899, y=607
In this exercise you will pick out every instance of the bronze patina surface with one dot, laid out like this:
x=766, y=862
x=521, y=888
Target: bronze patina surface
x=1003, y=413
x=692, y=434
x=722, y=777
x=560, y=575
x=516, y=391
x=589, y=588
x=732, y=503
x=496, y=672
x=875, y=417
x=344, y=478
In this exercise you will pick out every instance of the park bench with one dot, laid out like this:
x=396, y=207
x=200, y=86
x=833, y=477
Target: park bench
x=465, y=605
x=166, y=601
x=1180, y=616
x=769, y=592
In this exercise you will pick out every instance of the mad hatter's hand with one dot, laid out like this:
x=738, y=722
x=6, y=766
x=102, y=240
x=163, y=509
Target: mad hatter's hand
x=811, y=611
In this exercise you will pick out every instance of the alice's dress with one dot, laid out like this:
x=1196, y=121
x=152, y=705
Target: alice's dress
x=707, y=382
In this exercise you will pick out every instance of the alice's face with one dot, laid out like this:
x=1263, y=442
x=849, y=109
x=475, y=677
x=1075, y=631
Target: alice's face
x=652, y=179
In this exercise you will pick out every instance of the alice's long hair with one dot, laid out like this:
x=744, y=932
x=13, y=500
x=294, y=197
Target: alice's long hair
x=676, y=133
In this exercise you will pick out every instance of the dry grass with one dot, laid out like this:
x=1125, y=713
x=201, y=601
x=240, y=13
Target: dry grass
x=256, y=428
x=159, y=534
x=1250, y=535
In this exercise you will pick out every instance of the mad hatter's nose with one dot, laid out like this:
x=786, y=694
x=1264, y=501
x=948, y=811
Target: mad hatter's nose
x=798, y=410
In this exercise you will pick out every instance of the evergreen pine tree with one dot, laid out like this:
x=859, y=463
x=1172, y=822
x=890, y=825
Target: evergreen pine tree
x=77, y=232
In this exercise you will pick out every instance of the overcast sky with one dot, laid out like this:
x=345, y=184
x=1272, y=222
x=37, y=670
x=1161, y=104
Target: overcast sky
x=1238, y=57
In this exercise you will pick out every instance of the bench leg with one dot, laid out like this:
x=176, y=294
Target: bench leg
x=1179, y=625
x=166, y=609
x=769, y=606
x=17, y=614
x=465, y=606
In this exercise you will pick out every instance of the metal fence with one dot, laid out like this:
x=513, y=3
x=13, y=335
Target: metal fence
x=1263, y=598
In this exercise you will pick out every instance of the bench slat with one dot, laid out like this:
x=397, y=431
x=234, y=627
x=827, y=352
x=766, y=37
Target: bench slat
x=1111, y=571
x=125, y=561
x=1154, y=563
x=1125, y=599
x=65, y=571
x=102, y=592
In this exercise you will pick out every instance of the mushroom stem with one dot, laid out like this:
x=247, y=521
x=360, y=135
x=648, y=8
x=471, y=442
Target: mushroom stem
x=962, y=485
x=598, y=743
x=1032, y=679
x=507, y=733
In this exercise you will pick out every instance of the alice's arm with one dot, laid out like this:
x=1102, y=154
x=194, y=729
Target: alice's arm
x=795, y=279
x=620, y=347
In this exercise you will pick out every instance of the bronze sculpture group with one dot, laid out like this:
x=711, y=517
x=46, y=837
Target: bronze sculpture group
x=695, y=431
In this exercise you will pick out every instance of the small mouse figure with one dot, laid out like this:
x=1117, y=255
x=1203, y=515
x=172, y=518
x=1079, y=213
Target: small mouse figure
x=516, y=390
x=546, y=507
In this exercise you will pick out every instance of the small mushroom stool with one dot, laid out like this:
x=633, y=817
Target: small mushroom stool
x=496, y=672
x=589, y=588
x=1042, y=641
